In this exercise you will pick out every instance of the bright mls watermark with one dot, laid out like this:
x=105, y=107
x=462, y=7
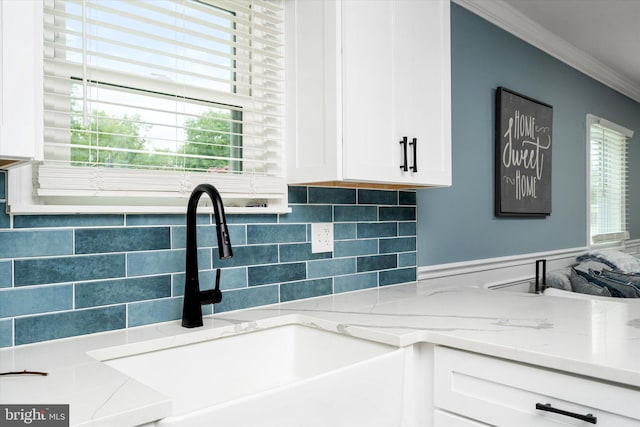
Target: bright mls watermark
x=34, y=415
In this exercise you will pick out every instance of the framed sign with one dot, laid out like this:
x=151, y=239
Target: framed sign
x=522, y=155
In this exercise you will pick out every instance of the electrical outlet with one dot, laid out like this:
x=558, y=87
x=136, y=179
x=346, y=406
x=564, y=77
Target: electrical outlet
x=321, y=237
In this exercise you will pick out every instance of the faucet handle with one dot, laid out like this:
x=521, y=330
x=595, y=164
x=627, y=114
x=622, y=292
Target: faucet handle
x=212, y=296
x=217, y=294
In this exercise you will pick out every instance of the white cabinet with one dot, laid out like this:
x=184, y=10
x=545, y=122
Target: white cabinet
x=447, y=419
x=20, y=81
x=362, y=75
x=497, y=392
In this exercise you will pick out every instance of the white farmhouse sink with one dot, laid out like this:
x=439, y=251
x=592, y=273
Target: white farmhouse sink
x=254, y=368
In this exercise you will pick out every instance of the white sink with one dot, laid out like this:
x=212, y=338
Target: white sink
x=228, y=369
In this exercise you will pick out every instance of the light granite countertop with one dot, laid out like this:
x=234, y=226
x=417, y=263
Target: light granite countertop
x=599, y=339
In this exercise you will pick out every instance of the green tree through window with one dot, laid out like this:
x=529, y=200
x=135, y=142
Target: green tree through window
x=213, y=134
x=122, y=142
x=107, y=140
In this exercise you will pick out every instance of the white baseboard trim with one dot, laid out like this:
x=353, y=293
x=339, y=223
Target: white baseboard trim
x=494, y=271
x=632, y=246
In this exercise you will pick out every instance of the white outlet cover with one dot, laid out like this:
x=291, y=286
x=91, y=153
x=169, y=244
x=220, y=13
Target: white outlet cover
x=321, y=237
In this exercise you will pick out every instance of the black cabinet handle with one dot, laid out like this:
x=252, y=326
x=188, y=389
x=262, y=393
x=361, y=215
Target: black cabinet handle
x=548, y=408
x=414, y=168
x=405, y=165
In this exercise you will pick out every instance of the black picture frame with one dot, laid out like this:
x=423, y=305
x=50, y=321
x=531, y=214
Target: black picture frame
x=523, y=154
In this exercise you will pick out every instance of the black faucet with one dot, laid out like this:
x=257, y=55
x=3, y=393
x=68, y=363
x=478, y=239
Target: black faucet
x=193, y=296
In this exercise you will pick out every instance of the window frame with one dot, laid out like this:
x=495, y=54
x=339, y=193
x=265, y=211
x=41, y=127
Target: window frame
x=615, y=238
x=22, y=200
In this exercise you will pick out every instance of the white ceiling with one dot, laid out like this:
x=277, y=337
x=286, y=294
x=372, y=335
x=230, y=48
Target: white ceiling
x=599, y=37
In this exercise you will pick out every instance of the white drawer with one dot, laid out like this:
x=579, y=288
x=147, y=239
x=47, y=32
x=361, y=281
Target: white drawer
x=503, y=393
x=446, y=419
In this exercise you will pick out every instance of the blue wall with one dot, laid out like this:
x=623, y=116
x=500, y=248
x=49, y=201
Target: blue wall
x=457, y=224
x=67, y=275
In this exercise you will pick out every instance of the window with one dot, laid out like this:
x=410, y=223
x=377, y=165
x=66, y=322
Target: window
x=144, y=100
x=607, y=195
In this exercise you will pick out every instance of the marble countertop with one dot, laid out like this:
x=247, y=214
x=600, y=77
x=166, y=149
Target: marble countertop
x=600, y=339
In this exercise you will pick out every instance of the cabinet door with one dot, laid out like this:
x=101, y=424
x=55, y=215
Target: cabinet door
x=445, y=419
x=396, y=83
x=422, y=87
x=369, y=150
x=313, y=102
x=504, y=393
x=20, y=72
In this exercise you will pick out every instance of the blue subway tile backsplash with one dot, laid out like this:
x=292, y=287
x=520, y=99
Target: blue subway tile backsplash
x=101, y=240
x=107, y=292
x=65, y=324
x=377, y=197
x=156, y=310
x=407, y=198
x=355, y=213
x=5, y=220
x=31, y=243
x=331, y=267
x=5, y=274
x=31, y=300
x=377, y=262
x=400, y=244
x=376, y=229
x=298, y=195
x=251, y=255
x=300, y=252
x=40, y=271
x=305, y=289
x=47, y=221
x=68, y=275
x=354, y=282
x=6, y=333
x=392, y=277
x=335, y=196
x=397, y=213
x=308, y=213
x=347, y=248
x=249, y=297
x=276, y=233
x=276, y=273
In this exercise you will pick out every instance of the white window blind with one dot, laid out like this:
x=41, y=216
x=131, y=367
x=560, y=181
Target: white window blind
x=608, y=181
x=143, y=100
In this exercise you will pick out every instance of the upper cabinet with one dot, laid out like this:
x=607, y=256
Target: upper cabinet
x=20, y=68
x=369, y=93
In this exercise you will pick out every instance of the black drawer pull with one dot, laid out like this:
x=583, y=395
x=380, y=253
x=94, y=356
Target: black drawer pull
x=405, y=166
x=548, y=408
x=414, y=168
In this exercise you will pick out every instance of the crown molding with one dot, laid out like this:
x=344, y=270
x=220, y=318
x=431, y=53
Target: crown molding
x=503, y=15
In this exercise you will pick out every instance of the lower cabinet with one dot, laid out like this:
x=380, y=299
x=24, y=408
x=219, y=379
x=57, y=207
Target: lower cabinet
x=476, y=390
x=447, y=419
